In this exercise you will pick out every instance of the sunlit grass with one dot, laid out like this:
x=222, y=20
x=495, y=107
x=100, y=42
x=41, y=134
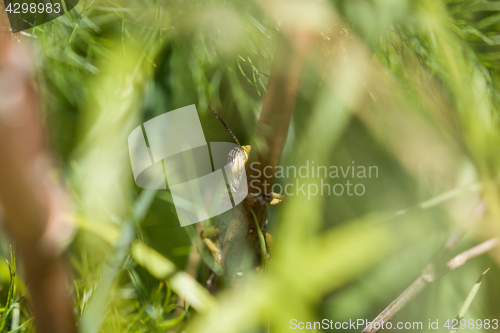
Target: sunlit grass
x=409, y=86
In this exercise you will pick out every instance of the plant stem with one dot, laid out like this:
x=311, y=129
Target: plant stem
x=435, y=269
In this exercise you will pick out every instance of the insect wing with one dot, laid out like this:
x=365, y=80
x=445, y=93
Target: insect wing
x=236, y=161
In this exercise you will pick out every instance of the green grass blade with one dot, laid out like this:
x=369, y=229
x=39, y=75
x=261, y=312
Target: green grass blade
x=22, y=327
x=10, y=296
x=262, y=240
x=470, y=297
x=93, y=316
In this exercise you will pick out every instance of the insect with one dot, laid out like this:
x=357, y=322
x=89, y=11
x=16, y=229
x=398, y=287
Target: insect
x=237, y=157
x=236, y=160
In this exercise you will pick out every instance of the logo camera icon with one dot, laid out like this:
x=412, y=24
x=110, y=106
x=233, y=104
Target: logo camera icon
x=197, y=173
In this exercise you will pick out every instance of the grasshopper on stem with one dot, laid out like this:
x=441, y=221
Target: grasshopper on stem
x=236, y=160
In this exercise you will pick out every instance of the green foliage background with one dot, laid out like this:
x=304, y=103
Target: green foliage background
x=108, y=66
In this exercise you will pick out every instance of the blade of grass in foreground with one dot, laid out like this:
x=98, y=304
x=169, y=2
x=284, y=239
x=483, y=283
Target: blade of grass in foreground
x=92, y=318
x=10, y=295
x=182, y=283
x=154, y=262
x=159, y=266
x=469, y=299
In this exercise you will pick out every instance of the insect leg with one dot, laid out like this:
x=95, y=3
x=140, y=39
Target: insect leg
x=207, y=235
x=269, y=242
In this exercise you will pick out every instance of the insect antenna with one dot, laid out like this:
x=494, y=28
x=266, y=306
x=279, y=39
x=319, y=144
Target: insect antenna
x=223, y=123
